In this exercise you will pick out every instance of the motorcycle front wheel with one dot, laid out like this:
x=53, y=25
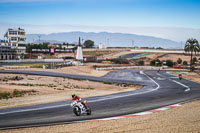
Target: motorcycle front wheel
x=77, y=111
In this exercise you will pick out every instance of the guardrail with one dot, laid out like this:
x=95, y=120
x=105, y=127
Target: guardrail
x=128, y=67
x=32, y=60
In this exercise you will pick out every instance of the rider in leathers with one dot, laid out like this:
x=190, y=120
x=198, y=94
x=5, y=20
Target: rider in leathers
x=77, y=98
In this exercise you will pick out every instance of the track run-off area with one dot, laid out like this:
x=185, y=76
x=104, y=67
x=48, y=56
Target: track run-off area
x=160, y=89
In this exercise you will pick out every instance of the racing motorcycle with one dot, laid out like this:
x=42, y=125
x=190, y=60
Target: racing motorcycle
x=180, y=76
x=78, y=108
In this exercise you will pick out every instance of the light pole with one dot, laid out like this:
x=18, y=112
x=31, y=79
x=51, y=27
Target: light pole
x=132, y=43
x=108, y=42
x=39, y=38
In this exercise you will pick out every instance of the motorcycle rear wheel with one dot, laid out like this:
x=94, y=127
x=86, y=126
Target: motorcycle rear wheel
x=89, y=111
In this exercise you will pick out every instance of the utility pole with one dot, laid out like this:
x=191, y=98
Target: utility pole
x=108, y=42
x=132, y=43
x=39, y=38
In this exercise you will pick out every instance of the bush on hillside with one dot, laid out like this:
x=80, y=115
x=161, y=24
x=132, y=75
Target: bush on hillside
x=169, y=63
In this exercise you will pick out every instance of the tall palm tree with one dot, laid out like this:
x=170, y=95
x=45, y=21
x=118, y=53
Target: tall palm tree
x=192, y=46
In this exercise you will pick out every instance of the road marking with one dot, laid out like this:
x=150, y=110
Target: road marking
x=159, y=78
x=103, y=99
x=143, y=113
x=164, y=108
x=158, y=74
x=158, y=86
x=188, y=88
x=135, y=114
x=25, y=110
x=141, y=72
x=111, y=118
x=183, y=78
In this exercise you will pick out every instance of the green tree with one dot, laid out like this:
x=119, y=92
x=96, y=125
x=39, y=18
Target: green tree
x=36, y=46
x=192, y=47
x=156, y=62
x=89, y=44
x=179, y=61
x=185, y=63
x=169, y=63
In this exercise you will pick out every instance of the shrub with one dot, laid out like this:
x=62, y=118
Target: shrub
x=194, y=60
x=174, y=63
x=19, y=93
x=5, y=95
x=16, y=93
x=141, y=63
x=192, y=68
x=156, y=62
x=37, y=66
x=179, y=61
x=107, y=82
x=185, y=63
x=169, y=63
x=120, y=61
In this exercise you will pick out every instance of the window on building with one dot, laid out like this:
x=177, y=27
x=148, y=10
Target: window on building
x=21, y=39
x=12, y=32
x=21, y=33
x=22, y=45
x=13, y=38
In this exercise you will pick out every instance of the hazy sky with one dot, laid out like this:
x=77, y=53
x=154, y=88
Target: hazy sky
x=117, y=13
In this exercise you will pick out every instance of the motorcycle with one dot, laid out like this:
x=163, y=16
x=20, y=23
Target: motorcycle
x=78, y=108
x=180, y=76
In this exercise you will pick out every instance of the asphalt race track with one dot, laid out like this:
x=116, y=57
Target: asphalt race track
x=160, y=89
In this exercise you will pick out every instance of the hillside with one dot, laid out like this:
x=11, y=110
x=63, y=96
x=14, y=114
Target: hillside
x=109, y=39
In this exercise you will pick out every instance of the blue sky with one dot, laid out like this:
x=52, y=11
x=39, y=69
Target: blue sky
x=151, y=13
x=177, y=20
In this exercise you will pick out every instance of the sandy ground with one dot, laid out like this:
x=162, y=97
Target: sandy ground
x=87, y=69
x=174, y=57
x=52, y=89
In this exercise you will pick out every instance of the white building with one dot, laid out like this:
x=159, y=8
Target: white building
x=79, y=54
x=101, y=46
x=16, y=39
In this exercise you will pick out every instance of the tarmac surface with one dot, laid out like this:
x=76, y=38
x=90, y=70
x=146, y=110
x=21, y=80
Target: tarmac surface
x=160, y=89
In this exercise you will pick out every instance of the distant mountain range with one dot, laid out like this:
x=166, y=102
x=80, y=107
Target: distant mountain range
x=108, y=39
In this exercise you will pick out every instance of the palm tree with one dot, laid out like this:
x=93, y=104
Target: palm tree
x=192, y=46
